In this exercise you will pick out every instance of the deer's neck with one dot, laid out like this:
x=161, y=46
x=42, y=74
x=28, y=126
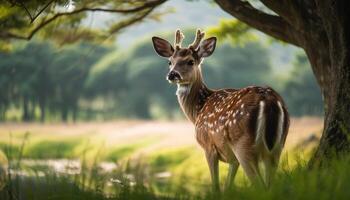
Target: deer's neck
x=192, y=97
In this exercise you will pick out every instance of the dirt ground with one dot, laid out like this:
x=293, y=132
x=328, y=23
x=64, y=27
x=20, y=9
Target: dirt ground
x=168, y=134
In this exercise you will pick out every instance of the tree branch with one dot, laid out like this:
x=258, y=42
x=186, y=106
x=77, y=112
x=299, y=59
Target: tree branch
x=287, y=9
x=26, y=10
x=127, y=22
x=148, y=5
x=272, y=25
x=299, y=13
x=40, y=11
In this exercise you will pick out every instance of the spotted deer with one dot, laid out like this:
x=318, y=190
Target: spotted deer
x=246, y=127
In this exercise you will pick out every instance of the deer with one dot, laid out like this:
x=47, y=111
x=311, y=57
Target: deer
x=246, y=126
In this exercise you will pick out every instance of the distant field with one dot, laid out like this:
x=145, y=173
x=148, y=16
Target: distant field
x=129, y=137
x=164, y=134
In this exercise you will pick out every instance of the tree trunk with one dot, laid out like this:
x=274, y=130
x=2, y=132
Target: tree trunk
x=64, y=113
x=329, y=56
x=25, y=116
x=335, y=89
x=75, y=113
x=42, y=107
x=2, y=113
x=42, y=111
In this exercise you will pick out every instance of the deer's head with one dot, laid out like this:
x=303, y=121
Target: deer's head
x=184, y=63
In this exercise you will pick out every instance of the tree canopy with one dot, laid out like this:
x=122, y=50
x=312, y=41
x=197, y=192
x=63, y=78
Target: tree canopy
x=62, y=19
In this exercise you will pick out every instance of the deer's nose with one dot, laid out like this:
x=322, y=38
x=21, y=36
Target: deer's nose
x=173, y=76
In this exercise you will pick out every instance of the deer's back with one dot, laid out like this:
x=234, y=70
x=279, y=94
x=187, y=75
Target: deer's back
x=232, y=114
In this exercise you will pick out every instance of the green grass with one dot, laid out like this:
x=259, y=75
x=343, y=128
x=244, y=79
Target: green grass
x=299, y=182
x=51, y=149
x=168, y=159
x=126, y=150
x=331, y=182
x=43, y=149
x=137, y=178
x=45, y=146
x=121, y=152
x=6, y=148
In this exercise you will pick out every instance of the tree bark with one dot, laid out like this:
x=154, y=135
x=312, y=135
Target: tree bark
x=335, y=86
x=332, y=68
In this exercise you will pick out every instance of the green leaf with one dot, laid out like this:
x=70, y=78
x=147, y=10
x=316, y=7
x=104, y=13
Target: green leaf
x=234, y=31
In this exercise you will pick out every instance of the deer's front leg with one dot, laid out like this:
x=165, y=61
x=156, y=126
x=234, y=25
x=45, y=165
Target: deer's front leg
x=213, y=163
x=232, y=171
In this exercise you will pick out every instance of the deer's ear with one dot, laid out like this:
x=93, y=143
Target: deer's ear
x=207, y=47
x=162, y=47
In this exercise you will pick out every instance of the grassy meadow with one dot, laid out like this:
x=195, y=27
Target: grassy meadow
x=147, y=160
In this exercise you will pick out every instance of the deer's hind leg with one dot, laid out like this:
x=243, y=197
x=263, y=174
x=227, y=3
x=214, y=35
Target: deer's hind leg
x=270, y=166
x=248, y=159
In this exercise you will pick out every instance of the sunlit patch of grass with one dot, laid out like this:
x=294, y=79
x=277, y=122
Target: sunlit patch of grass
x=169, y=159
x=186, y=165
x=51, y=149
x=40, y=146
x=121, y=152
x=126, y=150
x=44, y=149
x=13, y=136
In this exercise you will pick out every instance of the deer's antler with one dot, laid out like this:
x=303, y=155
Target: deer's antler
x=197, y=40
x=179, y=36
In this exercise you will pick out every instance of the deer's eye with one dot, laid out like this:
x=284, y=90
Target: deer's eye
x=169, y=63
x=191, y=62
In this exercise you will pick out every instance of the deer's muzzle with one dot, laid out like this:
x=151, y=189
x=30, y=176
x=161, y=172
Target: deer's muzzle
x=174, y=76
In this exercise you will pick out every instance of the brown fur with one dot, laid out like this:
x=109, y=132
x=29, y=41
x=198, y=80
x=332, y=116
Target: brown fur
x=227, y=122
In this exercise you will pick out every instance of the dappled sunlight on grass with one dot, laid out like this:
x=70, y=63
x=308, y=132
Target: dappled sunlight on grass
x=139, y=179
x=133, y=161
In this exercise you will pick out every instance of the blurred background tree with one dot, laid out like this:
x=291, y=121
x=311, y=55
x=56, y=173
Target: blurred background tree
x=301, y=91
x=43, y=82
x=38, y=76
